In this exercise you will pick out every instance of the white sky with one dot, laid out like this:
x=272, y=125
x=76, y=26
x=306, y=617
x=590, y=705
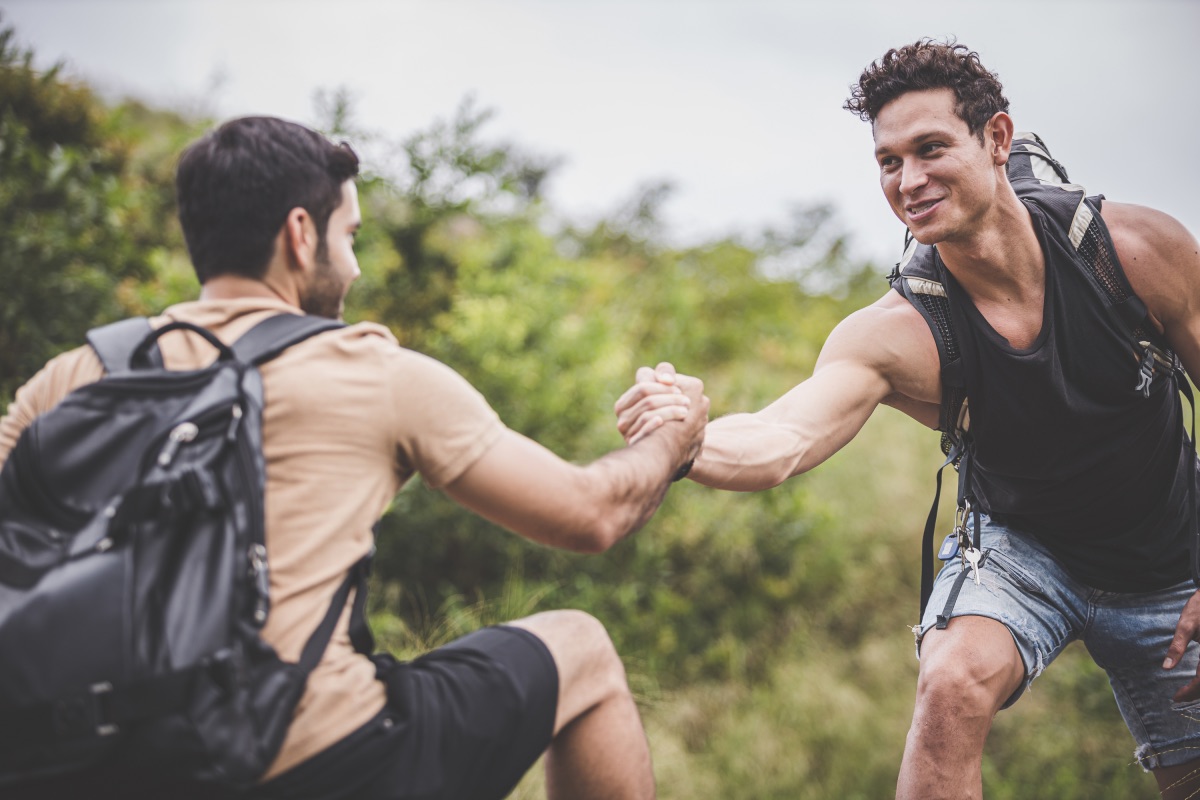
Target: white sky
x=738, y=103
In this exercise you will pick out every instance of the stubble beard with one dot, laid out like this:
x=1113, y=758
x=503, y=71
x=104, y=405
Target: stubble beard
x=325, y=296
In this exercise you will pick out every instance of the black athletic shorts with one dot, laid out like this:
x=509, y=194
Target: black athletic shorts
x=466, y=721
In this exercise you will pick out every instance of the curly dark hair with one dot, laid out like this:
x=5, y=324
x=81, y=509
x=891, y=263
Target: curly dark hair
x=927, y=64
x=236, y=185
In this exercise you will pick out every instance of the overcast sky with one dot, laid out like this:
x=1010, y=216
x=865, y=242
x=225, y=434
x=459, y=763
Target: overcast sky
x=737, y=103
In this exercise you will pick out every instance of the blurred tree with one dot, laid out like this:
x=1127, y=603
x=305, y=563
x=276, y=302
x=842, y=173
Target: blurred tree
x=69, y=221
x=88, y=231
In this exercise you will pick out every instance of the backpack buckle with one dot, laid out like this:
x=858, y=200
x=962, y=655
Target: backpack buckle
x=85, y=714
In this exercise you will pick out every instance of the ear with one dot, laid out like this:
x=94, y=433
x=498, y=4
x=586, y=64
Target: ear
x=998, y=137
x=299, y=239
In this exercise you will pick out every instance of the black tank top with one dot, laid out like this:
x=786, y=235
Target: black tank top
x=1066, y=447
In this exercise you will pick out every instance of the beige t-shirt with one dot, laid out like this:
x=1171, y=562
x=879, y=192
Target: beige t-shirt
x=349, y=417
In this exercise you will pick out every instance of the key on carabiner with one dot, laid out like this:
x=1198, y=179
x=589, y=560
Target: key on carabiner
x=973, y=555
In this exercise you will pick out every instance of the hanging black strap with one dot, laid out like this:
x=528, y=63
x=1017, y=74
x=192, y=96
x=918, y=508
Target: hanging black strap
x=943, y=619
x=356, y=579
x=1185, y=388
x=930, y=526
x=966, y=495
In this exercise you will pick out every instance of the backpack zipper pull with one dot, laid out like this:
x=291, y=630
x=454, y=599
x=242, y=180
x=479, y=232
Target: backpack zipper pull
x=181, y=433
x=1146, y=372
x=262, y=581
x=235, y=422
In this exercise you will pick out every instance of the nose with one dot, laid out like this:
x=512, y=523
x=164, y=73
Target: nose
x=912, y=176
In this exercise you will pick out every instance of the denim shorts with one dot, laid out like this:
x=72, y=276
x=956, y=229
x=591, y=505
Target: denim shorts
x=1127, y=635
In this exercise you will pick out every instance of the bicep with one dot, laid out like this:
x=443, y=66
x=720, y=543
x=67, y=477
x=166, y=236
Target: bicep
x=857, y=370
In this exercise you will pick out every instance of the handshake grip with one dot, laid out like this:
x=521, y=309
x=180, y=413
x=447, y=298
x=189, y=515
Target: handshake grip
x=661, y=396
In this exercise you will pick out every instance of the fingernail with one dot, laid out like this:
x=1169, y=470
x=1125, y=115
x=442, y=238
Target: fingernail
x=1170, y=662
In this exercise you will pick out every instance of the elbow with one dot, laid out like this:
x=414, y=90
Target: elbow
x=595, y=533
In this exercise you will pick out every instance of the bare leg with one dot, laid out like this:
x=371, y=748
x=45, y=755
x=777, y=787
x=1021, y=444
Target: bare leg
x=599, y=748
x=967, y=672
x=1179, y=783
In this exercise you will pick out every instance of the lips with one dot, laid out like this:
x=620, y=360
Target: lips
x=919, y=211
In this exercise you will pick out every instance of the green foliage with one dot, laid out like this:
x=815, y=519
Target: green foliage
x=765, y=635
x=82, y=211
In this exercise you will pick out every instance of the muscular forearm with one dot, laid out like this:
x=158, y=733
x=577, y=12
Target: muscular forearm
x=630, y=484
x=744, y=453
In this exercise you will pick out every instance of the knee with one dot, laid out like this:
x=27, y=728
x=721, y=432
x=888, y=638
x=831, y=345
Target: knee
x=960, y=683
x=593, y=642
x=581, y=647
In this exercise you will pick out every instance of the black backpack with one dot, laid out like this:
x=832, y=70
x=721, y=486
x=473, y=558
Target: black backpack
x=133, y=572
x=920, y=278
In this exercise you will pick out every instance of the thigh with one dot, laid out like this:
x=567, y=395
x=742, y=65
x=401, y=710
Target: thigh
x=465, y=720
x=1022, y=587
x=1128, y=637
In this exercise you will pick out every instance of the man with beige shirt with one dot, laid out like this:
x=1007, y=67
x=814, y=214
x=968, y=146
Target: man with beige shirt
x=270, y=210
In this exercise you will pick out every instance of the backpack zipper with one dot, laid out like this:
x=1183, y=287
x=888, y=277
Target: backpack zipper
x=181, y=434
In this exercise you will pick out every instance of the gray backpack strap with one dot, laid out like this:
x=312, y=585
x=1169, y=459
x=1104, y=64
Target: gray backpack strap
x=275, y=334
x=918, y=278
x=115, y=343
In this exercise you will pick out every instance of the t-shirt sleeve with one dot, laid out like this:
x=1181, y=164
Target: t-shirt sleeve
x=44, y=391
x=443, y=424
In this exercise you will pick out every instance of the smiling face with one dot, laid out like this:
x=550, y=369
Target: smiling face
x=939, y=179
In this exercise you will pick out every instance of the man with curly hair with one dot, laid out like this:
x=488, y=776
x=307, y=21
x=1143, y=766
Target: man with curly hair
x=1083, y=476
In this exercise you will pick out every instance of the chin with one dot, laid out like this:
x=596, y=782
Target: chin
x=927, y=236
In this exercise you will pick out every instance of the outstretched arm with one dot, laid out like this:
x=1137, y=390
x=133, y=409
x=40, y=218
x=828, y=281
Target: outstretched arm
x=526, y=488
x=881, y=354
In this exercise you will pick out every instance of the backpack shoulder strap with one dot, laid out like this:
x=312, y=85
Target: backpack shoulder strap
x=272, y=336
x=918, y=279
x=114, y=343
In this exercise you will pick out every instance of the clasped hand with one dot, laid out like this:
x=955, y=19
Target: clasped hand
x=659, y=396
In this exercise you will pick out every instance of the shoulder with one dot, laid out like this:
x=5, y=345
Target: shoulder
x=891, y=338
x=373, y=353
x=888, y=328
x=45, y=390
x=1160, y=257
x=60, y=376
x=1141, y=233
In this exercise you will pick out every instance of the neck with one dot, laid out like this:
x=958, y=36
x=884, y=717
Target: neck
x=233, y=287
x=1001, y=260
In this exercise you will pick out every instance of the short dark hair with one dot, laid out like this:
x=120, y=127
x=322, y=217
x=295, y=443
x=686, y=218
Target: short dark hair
x=236, y=185
x=926, y=64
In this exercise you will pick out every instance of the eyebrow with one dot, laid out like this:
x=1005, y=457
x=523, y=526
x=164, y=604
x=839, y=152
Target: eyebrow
x=920, y=138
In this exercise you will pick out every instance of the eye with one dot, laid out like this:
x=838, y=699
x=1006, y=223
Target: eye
x=889, y=163
x=932, y=148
